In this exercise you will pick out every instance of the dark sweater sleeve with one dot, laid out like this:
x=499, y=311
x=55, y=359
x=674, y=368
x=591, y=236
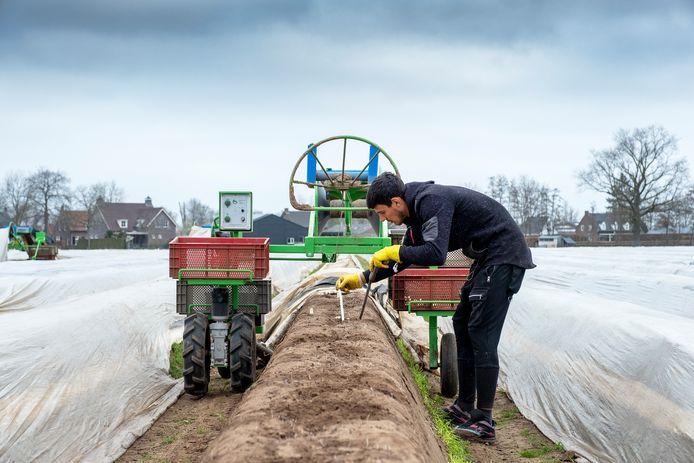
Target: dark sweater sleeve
x=436, y=214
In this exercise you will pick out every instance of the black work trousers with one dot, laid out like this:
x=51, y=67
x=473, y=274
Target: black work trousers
x=478, y=320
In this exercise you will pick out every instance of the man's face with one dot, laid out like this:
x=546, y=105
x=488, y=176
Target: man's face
x=395, y=213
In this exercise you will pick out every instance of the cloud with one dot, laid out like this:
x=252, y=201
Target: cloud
x=499, y=84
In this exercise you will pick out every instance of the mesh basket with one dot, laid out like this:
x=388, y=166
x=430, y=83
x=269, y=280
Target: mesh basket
x=454, y=259
x=187, y=252
x=427, y=285
x=254, y=297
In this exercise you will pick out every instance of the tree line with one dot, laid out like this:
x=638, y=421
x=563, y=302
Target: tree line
x=645, y=181
x=37, y=198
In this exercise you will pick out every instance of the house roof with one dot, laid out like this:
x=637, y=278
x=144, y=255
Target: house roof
x=132, y=212
x=75, y=220
x=533, y=225
x=298, y=217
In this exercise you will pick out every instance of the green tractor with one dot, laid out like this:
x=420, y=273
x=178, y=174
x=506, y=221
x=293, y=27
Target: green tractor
x=223, y=290
x=222, y=282
x=33, y=242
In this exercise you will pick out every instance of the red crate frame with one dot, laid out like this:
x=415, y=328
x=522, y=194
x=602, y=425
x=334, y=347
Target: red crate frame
x=219, y=253
x=427, y=285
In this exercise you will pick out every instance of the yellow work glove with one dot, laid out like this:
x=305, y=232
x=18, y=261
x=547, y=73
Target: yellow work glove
x=346, y=283
x=381, y=258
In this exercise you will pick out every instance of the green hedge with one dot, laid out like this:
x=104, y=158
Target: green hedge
x=104, y=243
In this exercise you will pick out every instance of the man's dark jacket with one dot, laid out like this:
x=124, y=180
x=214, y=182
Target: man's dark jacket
x=445, y=218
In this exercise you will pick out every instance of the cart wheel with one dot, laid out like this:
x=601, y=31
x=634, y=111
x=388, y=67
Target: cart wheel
x=242, y=352
x=224, y=372
x=449, y=366
x=196, y=354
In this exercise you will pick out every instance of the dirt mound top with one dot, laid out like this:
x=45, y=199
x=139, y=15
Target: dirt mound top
x=333, y=391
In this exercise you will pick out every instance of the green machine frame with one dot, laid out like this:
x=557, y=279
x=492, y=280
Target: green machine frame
x=349, y=188
x=431, y=316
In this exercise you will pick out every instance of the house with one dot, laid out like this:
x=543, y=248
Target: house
x=602, y=227
x=565, y=229
x=534, y=225
x=300, y=218
x=142, y=224
x=279, y=230
x=71, y=226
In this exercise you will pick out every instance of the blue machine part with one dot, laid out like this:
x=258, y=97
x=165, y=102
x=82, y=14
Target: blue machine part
x=20, y=229
x=315, y=173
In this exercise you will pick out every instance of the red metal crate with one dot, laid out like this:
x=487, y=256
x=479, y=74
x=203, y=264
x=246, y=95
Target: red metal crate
x=219, y=253
x=427, y=285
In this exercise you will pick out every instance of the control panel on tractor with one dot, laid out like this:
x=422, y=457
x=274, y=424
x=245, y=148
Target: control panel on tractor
x=235, y=211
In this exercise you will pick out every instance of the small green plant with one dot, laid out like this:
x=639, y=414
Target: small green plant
x=168, y=440
x=539, y=448
x=457, y=449
x=176, y=360
x=505, y=416
x=538, y=452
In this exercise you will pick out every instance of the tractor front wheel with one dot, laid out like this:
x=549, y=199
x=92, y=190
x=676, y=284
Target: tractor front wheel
x=242, y=352
x=196, y=354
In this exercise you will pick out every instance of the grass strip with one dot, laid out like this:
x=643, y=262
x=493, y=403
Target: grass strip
x=542, y=451
x=176, y=360
x=457, y=449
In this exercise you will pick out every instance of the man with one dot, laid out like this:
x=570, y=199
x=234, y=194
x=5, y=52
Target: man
x=442, y=219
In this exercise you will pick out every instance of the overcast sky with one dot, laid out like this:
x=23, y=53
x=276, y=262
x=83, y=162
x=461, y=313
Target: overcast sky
x=177, y=99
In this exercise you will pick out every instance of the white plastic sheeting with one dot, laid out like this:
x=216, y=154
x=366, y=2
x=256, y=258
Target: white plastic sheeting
x=85, y=346
x=598, y=351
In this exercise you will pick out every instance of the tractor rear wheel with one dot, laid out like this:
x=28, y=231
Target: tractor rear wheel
x=242, y=352
x=449, y=366
x=196, y=354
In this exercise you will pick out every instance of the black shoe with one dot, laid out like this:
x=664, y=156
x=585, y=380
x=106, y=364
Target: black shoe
x=482, y=431
x=455, y=414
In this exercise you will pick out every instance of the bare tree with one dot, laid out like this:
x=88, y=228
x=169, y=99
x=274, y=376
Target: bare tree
x=639, y=174
x=50, y=192
x=194, y=212
x=17, y=197
x=109, y=192
x=87, y=197
x=525, y=199
x=678, y=216
x=498, y=188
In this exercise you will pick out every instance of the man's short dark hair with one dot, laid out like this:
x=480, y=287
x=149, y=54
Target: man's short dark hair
x=384, y=187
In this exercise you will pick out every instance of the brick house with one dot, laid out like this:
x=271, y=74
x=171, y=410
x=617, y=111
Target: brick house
x=71, y=226
x=142, y=224
x=601, y=227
